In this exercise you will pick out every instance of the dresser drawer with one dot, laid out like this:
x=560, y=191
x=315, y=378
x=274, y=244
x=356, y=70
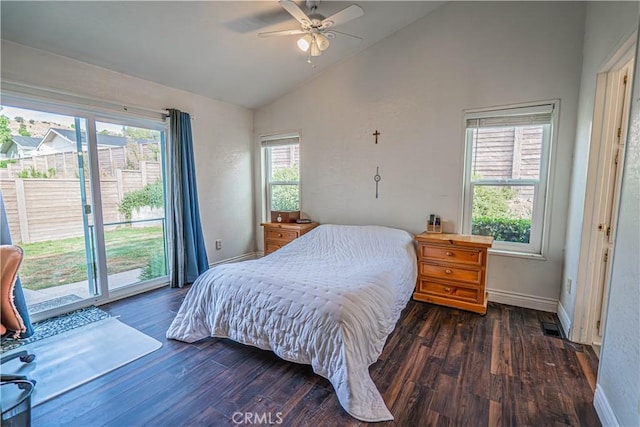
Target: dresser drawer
x=462, y=293
x=451, y=273
x=443, y=253
x=280, y=235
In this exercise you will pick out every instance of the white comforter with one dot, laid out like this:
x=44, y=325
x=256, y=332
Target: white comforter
x=328, y=299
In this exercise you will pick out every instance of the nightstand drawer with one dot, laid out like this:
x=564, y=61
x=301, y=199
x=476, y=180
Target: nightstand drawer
x=270, y=246
x=461, y=293
x=443, y=253
x=277, y=235
x=280, y=235
x=451, y=273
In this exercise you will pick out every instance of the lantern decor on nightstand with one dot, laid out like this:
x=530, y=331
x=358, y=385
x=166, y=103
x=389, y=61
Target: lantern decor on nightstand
x=434, y=225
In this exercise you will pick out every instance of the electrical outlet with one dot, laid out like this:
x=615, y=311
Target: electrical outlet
x=218, y=244
x=569, y=284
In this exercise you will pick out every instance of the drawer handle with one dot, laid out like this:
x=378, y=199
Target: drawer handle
x=447, y=289
x=448, y=271
x=449, y=253
x=279, y=234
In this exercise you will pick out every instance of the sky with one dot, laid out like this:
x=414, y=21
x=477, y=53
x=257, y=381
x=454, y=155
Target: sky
x=40, y=116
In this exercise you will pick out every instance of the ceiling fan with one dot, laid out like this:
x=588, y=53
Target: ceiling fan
x=316, y=30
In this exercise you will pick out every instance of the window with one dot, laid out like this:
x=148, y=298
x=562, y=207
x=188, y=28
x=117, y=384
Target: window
x=506, y=171
x=282, y=172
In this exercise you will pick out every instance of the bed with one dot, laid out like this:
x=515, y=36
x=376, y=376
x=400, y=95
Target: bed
x=328, y=299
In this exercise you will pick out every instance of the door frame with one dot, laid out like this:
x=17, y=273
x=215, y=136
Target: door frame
x=587, y=287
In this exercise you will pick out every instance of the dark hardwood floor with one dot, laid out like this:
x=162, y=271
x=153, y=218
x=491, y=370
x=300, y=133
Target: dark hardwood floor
x=440, y=367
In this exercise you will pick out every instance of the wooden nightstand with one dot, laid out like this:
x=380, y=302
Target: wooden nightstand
x=278, y=234
x=452, y=270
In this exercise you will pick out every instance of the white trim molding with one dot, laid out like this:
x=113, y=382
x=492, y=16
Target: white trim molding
x=523, y=300
x=565, y=321
x=603, y=409
x=243, y=257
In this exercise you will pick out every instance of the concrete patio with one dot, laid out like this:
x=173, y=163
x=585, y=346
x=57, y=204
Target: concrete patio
x=78, y=289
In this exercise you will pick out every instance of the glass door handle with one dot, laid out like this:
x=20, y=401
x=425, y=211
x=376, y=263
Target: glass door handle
x=87, y=209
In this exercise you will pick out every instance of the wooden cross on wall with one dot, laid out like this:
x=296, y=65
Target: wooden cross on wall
x=376, y=134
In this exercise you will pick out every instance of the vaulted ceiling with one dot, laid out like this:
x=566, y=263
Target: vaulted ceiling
x=210, y=48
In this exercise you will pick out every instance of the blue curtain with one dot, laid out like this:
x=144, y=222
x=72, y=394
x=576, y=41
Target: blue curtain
x=189, y=255
x=18, y=294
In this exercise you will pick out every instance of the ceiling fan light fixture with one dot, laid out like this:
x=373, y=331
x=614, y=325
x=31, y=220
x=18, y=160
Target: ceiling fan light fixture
x=315, y=50
x=322, y=41
x=314, y=38
x=305, y=42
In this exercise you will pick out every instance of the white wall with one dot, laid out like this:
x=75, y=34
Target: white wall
x=413, y=87
x=222, y=135
x=608, y=25
x=618, y=387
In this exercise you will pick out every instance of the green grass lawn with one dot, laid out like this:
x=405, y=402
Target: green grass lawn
x=59, y=262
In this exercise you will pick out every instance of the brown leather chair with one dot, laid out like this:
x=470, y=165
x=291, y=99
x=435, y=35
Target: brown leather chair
x=11, y=324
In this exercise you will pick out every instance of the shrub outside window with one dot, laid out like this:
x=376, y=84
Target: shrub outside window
x=506, y=173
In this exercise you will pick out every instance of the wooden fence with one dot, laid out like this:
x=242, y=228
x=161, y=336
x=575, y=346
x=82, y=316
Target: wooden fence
x=110, y=160
x=51, y=209
x=507, y=153
x=501, y=153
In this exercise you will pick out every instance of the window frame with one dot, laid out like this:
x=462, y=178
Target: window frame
x=538, y=237
x=268, y=142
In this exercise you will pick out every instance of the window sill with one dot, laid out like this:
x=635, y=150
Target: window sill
x=516, y=254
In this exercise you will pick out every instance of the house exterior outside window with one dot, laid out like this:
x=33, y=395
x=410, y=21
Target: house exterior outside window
x=506, y=174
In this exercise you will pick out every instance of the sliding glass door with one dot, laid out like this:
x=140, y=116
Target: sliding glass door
x=133, y=202
x=85, y=197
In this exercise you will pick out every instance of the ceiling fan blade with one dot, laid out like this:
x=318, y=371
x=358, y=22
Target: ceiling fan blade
x=256, y=22
x=281, y=33
x=345, y=15
x=296, y=12
x=331, y=34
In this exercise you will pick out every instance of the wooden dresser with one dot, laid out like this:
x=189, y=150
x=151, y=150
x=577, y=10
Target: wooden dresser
x=452, y=270
x=278, y=234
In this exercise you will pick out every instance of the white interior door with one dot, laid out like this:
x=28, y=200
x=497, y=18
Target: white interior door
x=612, y=158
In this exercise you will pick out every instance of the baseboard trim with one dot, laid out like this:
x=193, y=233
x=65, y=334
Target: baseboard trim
x=243, y=257
x=565, y=321
x=603, y=409
x=523, y=300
